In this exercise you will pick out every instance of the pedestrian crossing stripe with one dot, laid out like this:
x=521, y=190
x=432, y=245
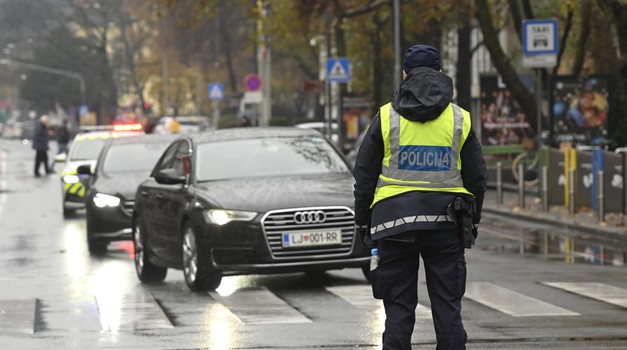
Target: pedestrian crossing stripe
x=598, y=291
x=139, y=310
x=260, y=306
x=510, y=302
x=361, y=296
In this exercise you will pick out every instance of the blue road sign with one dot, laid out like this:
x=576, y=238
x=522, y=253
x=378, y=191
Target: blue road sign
x=540, y=36
x=215, y=91
x=338, y=70
x=252, y=82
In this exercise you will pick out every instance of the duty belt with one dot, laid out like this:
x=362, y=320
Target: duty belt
x=410, y=220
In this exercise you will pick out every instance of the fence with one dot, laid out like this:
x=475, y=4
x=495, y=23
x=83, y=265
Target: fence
x=577, y=178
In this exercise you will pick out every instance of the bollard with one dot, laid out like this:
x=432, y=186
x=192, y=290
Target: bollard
x=600, y=197
x=521, y=186
x=499, y=183
x=545, y=188
x=571, y=191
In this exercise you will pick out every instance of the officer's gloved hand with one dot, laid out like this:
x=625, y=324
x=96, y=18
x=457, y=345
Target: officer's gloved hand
x=475, y=230
x=364, y=236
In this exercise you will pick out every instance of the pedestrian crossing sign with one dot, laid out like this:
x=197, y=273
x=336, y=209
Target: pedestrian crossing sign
x=338, y=70
x=216, y=91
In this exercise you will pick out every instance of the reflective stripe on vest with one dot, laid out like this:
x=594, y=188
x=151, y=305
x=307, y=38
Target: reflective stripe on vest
x=431, y=164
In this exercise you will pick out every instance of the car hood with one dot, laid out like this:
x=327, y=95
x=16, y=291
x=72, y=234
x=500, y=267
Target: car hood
x=264, y=194
x=123, y=184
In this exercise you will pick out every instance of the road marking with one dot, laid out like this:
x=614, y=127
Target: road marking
x=510, y=302
x=361, y=296
x=599, y=291
x=259, y=306
x=17, y=316
x=137, y=311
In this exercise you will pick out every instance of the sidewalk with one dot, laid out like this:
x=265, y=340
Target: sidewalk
x=614, y=225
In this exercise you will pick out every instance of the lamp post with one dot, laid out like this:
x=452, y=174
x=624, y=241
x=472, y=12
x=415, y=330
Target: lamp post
x=51, y=71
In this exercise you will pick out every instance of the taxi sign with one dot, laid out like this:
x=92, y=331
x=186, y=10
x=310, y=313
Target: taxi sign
x=540, y=36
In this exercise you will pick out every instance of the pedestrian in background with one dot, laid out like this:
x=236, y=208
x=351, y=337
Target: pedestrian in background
x=63, y=138
x=40, y=145
x=419, y=159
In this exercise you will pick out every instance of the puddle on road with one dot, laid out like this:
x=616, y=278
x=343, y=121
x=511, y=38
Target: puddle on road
x=555, y=244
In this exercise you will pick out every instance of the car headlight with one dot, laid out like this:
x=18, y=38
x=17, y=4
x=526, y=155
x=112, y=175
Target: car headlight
x=71, y=179
x=221, y=217
x=102, y=200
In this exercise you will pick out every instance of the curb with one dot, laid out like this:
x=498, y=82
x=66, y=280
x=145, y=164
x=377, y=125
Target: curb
x=599, y=231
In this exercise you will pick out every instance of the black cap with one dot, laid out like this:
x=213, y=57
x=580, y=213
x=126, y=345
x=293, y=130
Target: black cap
x=422, y=56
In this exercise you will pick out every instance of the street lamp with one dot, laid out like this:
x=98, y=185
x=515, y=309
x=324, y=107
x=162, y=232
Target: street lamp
x=50, y=70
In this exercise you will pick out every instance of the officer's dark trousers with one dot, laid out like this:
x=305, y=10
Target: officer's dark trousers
x=397, y=280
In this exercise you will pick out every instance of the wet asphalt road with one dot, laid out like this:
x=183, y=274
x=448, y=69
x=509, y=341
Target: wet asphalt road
x=529, y=287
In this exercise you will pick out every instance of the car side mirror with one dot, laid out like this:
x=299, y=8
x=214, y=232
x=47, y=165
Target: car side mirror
x=169, y=176
x=84, y=169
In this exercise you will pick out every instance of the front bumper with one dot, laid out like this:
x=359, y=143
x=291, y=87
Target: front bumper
x=108, y=223
x=255, y=247
x=74, y=194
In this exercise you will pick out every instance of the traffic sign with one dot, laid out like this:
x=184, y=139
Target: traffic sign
x=338, y=70
x=540, y=36
x=215, y=91
x=252, y=82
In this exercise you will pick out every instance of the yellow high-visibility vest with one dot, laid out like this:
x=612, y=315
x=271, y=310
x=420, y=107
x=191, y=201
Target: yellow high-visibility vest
x=422, y=156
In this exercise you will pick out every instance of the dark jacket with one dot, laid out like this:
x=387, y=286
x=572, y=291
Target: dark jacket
x=40, y=137
x=421, y=97
x=63, y=135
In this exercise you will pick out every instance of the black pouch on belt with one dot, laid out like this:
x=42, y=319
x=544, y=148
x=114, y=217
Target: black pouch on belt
x=465, y=209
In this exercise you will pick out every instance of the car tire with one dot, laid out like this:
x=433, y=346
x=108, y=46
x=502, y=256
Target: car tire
x=197, y=276
x=67, y=213
x=95, y=246
x=147, y=272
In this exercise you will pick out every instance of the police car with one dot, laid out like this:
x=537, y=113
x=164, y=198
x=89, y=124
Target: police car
x=84, y=150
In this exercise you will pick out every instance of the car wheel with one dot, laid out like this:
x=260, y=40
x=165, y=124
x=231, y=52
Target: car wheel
x=147, y=272
x=96, y=247
x=366, y=271
x=67, y=212
x=197, y=276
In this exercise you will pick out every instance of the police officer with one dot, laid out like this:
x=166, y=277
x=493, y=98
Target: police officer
x=419, y=158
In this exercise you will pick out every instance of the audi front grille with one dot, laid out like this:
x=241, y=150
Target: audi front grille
x=277, y=222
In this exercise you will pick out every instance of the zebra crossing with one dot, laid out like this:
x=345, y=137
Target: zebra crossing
x=142, y=310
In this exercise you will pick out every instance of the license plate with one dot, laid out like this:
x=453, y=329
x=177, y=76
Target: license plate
x=311, y=238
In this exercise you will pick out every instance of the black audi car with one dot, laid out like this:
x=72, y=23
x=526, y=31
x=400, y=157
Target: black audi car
x=246, y=200
x=122, y=165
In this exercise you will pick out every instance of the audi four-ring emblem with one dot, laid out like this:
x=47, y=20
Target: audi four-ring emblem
x=310, y=217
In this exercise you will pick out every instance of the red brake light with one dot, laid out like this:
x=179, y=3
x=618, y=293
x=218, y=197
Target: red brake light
x=127, y=127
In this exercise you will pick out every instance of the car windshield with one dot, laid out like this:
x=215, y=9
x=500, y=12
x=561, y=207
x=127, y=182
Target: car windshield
x=87, y=149
x=267, y=157
x=132, y=157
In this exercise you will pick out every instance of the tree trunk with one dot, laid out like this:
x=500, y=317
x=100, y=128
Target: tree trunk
x=503, y=64
x=464, y=57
